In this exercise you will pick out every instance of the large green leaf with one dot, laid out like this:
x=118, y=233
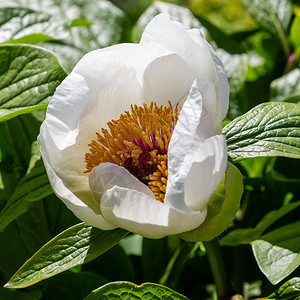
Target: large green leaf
x=126, y=290
x=29, y=76
x=222, y=208
x=286, y=88
x=246, y=235
x=77, y=245
x=34, y=186
x=272, y=15
x=290, y=290
x=278, y=252
x=269, y=129
x=105, y=25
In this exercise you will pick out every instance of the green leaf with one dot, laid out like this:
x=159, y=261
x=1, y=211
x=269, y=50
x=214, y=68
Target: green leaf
x=245, y=236
x=286, y=88
x=236, y=67
x=127, y=290
x=109, y=25
x=32, y=39
x=295, y=29
x=288, y=291
x=179, y=13
x=223, y=41
x=269, y=129
x=28, y=78
x=272, y=15
x=222, y=208
x=16, y=138
x=79, y=22
x=76, y=245
x=277, y=253
x=34, y=186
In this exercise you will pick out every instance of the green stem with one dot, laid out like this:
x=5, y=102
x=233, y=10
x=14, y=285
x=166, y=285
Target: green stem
x=222, y=280
x=176, y=264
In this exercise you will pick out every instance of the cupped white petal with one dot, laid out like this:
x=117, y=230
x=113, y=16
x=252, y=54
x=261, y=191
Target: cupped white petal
x=185, y=130
x=199, y=175
x=205, y=170
x=141, y=214
x=95, y=65
x=107, y=175
x=223, y=90
x=167, y=78
x=75, y=204
x=193, y=48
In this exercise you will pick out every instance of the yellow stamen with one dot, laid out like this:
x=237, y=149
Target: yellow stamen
x=144, y=129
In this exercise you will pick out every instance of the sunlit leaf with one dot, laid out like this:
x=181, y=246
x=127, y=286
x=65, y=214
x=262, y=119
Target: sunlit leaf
x=77, y=245
x=74, y=27
x=29, y=76
x=269, y=129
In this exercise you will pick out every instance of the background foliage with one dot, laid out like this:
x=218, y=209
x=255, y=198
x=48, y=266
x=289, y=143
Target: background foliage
x=259, y=44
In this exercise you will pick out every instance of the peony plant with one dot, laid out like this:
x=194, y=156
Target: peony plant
x=132, y=137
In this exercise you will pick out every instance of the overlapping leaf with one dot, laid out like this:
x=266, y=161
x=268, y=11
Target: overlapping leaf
x=101, y=25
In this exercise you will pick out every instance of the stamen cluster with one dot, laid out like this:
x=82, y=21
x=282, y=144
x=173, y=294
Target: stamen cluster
x=139, y=142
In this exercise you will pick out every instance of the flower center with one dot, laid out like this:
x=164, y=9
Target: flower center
x=139, y=142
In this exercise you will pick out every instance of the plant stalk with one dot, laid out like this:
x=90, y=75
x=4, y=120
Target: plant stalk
x=176, y=264
x=219, y=272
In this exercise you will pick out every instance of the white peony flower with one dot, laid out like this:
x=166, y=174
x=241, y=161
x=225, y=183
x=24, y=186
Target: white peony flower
x=132, y=137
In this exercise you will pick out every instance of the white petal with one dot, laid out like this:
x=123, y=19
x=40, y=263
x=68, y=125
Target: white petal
x=223, y=90
x=199, y=175
x=96, y=64
x=80, y=210
x=210, y=123
x=185, y=130
x=176, y=37
x=167, y=78
x=207, y=168
x=194, y=49
x=107, y=175
x=141, y=214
